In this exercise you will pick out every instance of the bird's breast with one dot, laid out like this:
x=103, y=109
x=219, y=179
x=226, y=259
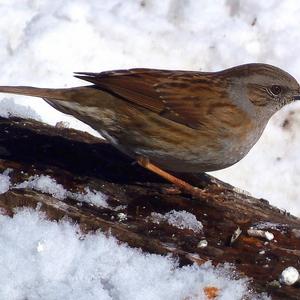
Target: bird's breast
x=226, y=136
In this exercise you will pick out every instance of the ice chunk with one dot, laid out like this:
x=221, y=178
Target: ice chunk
x=180, y=219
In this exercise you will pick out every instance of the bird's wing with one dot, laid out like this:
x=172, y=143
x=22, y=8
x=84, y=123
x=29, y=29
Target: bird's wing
x=175, y=95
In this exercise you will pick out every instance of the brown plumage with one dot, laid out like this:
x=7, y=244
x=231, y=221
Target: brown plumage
x=180, y=120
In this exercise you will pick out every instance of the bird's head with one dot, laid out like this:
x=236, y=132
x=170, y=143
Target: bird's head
x=267, y=87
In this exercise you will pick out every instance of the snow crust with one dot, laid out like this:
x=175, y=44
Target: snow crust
x=4, y=181
x=49, y=260
x=180, y=219
x=289, y=276
x=44, y=184
x=8, y=108
x=48, y=185
x=41, y=259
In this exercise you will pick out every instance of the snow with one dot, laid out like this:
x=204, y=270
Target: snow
x=122, y=217
x=180, y=219
x=41, y=259
x=289, y=276
x=49, y=260
x=8, y=108
x=261, y=233
x=92, y=197
x=202, y=244
x=4, y=181
x=48, y=185
x=44, y=184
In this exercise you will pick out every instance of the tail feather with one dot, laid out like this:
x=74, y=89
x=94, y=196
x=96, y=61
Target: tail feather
x=58, y=94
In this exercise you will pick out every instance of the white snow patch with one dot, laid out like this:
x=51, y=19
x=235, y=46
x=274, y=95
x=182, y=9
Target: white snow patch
x=202, y=244
x=48, y=185
x=8, y=108
x=289, y=276
x=180, y=219
x=260, y=233
x=41, y=246
x=122, y=216
x=53, y=260
x=92, y=197
x=4, y=181
x=44, y=184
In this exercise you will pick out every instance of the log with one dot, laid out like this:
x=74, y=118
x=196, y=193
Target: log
x=76, y=159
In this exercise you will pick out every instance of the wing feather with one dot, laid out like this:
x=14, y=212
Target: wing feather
x=175, y=95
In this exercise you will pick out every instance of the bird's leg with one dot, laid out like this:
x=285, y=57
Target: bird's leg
x=183, y=185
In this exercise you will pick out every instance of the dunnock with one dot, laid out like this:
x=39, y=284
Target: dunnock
x=182, y=121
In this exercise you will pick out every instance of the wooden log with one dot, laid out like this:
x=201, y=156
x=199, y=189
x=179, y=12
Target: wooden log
x=77, y=160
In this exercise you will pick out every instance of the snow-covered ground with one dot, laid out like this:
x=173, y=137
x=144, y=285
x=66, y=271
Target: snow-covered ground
x=48, y=260
x=54, y=260
x=43, y=42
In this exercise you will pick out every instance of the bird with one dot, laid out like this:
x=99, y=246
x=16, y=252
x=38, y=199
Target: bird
x=174, y=120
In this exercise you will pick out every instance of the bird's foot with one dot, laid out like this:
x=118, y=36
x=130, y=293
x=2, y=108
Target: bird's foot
x=183, y=185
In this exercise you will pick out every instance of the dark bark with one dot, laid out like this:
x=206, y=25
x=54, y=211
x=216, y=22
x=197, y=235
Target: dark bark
x=76, y=160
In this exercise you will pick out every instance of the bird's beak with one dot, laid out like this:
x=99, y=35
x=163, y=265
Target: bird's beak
x=297, y=97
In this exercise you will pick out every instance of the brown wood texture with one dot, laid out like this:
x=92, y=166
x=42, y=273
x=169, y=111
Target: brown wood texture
x=76, y=160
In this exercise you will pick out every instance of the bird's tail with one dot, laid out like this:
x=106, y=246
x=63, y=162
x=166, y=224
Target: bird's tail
x=59, y=94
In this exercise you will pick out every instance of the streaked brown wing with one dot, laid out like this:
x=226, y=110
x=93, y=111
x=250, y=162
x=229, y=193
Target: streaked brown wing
x=175, y=95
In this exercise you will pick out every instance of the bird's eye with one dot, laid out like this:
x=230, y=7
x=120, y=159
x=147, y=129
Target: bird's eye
x=275, y=90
